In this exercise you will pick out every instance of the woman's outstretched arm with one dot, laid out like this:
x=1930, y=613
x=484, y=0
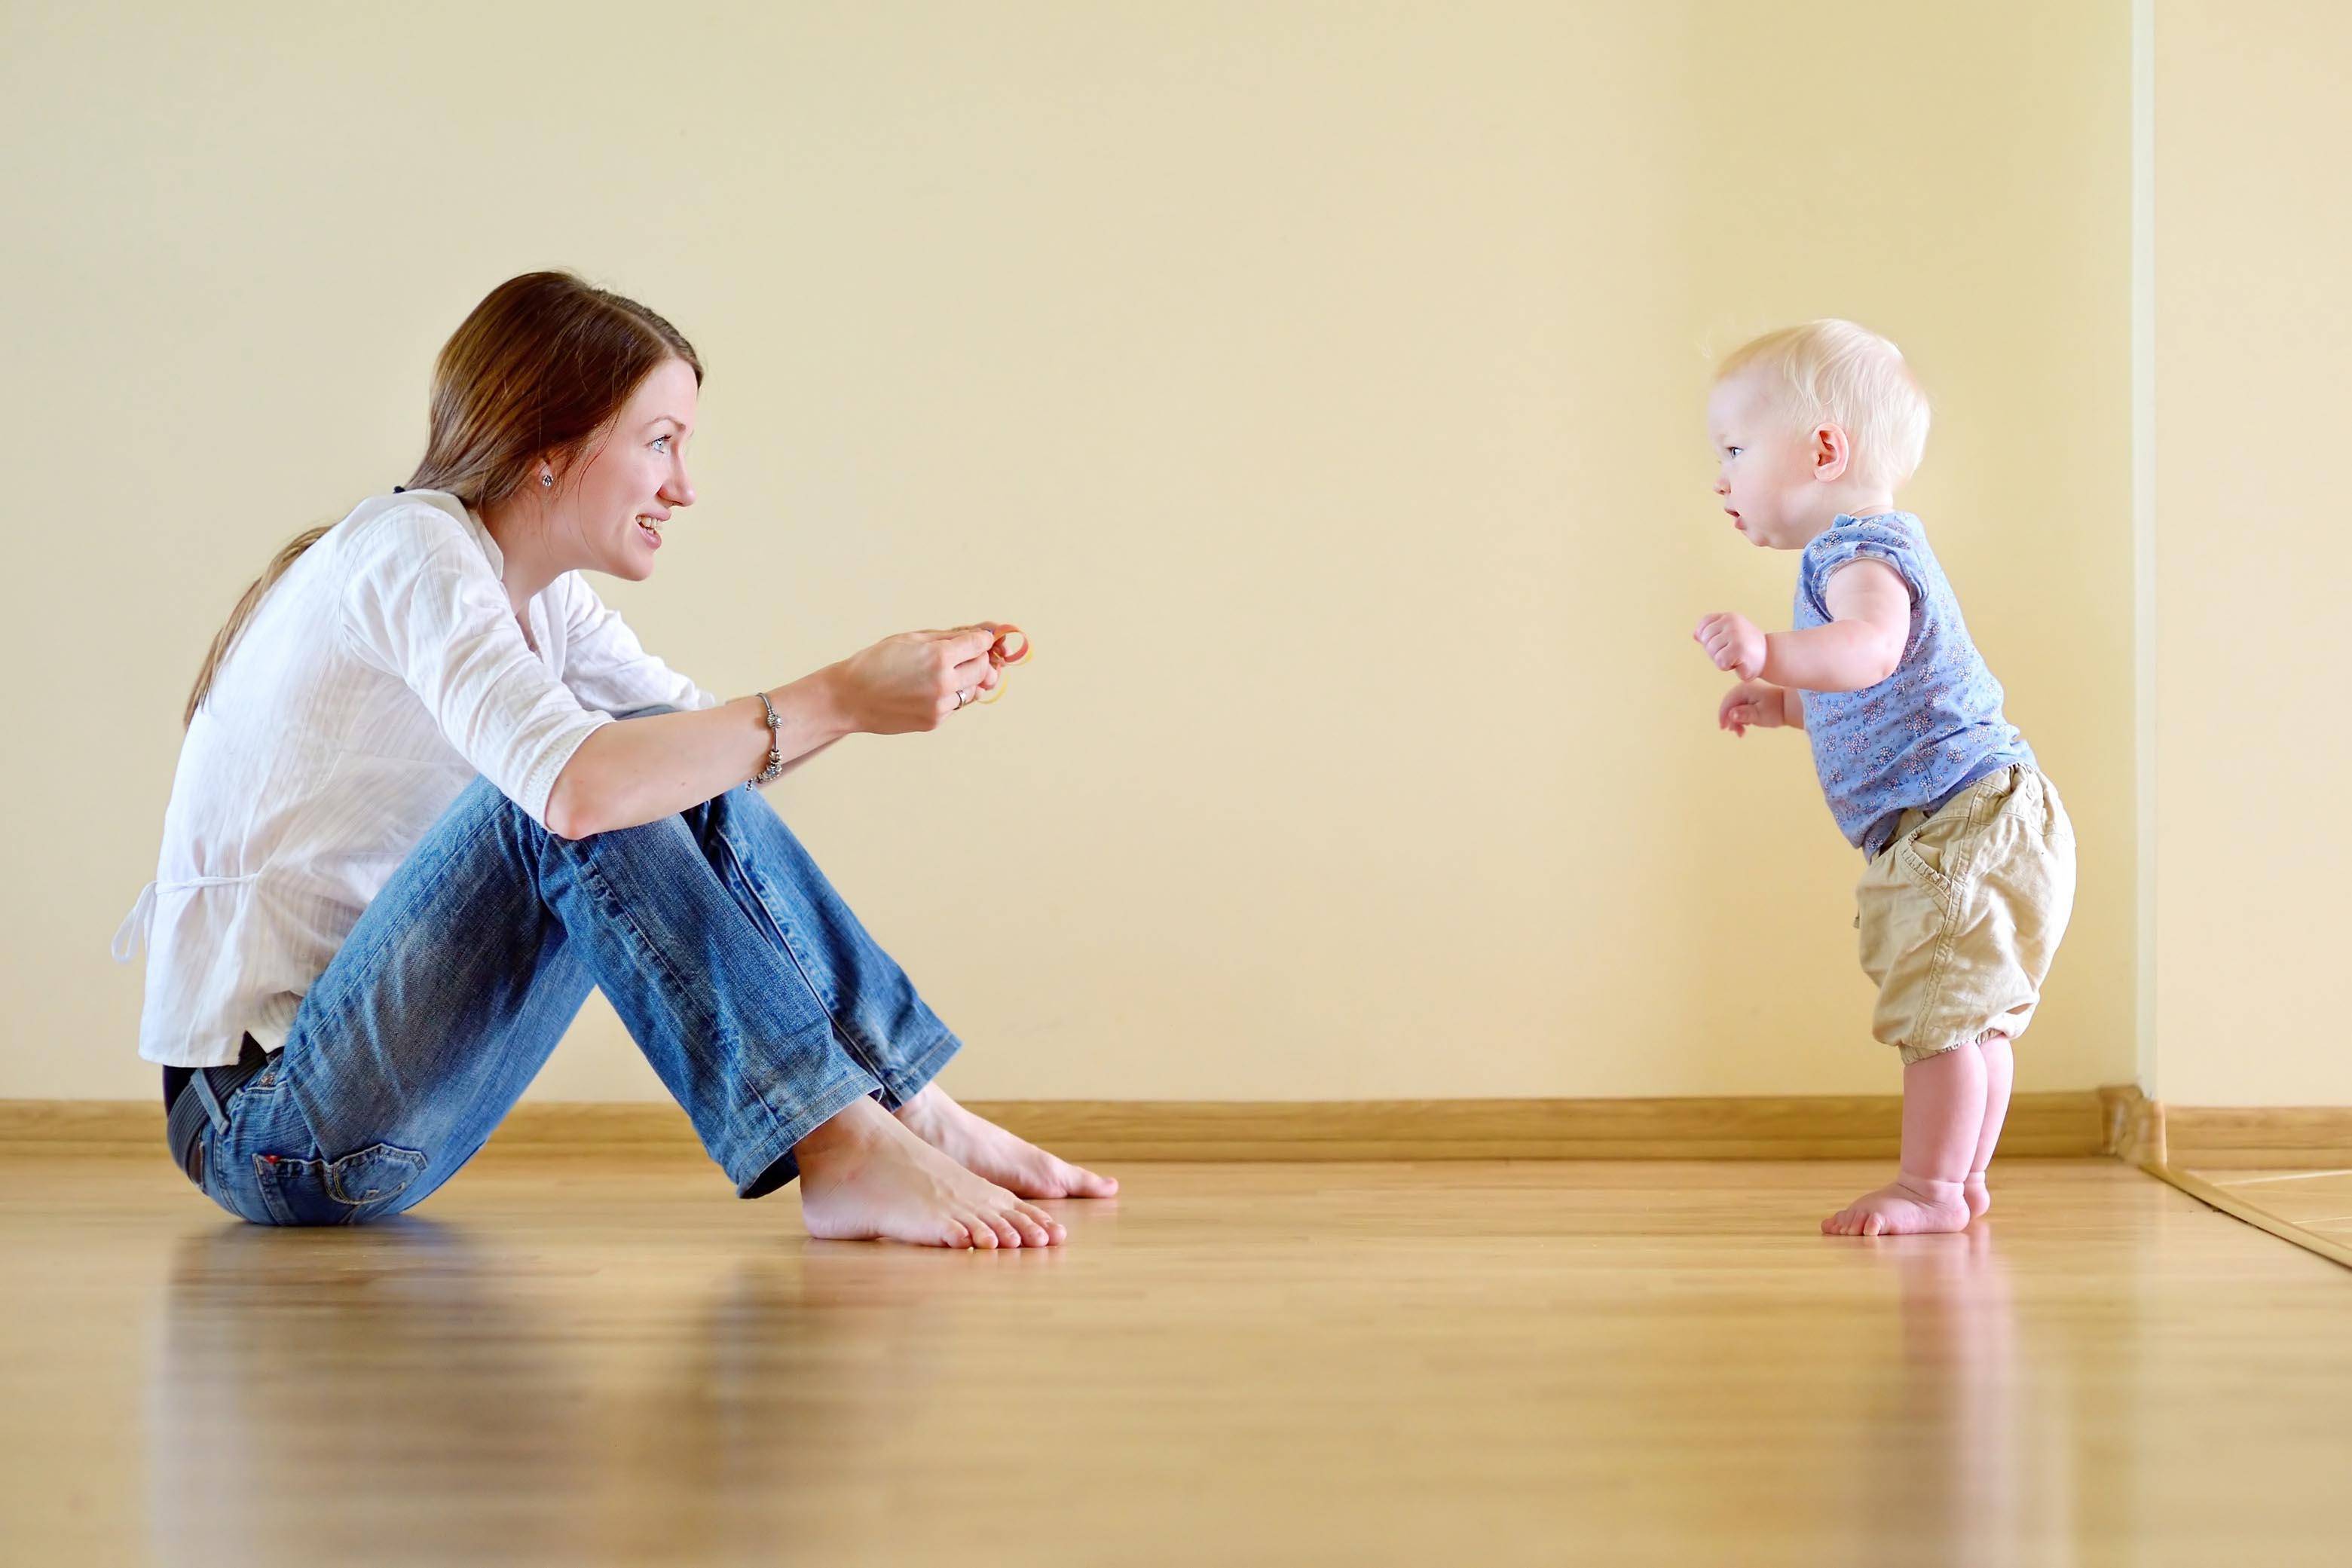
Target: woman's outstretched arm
x=623, y=775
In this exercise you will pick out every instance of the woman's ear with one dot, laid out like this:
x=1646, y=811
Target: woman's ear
x=1833, y=453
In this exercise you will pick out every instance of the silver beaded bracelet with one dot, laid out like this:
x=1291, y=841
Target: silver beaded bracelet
x=775, y=767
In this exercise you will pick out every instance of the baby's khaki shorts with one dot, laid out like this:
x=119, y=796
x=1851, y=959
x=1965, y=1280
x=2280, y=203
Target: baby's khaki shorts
x=1961, y=914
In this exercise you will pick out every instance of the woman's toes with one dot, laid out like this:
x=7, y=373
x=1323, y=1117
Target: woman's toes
x=1056, y=1234
x=984, y=1233
x=1006, y=1235
x=1031, y=1233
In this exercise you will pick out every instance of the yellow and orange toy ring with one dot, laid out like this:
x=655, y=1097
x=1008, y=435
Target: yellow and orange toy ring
x=1000, y=654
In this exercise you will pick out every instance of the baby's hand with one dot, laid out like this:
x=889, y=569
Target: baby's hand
x=1734, y=641
x=1756, y=703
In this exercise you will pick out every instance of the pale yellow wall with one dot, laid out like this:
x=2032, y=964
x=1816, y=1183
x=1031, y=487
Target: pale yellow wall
x=1319, y=383
x=2254, y=554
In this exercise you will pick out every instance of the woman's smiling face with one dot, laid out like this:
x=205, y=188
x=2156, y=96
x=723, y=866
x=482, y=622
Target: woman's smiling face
x=612, y=508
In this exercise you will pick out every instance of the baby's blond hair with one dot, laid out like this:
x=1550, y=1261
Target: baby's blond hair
x=1849, y=376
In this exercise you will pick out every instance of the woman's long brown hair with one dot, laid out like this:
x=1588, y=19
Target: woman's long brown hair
x=531, y=376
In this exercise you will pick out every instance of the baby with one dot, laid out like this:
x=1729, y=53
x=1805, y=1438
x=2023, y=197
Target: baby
x=1971, y=872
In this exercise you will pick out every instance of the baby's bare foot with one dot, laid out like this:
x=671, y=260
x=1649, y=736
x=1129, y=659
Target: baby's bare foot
x=866, y=1177
x=1979, y=1198
x=1908, y=1205
x=988, y=1150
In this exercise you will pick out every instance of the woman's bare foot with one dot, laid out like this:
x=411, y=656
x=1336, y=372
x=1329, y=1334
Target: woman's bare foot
x=865, y=1177
x=1979, y=1198
x=983, y=1147
x=1907, y=1205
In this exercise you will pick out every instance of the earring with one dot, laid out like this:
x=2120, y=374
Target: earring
x=546, y=479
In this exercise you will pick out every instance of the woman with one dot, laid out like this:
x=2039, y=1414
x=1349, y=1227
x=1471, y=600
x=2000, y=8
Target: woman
x=407, y=836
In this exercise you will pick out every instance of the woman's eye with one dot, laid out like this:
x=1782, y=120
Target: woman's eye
x=661, y=444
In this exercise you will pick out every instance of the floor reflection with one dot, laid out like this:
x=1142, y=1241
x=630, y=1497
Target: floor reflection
x=314, y=1388
x=1956, y=1468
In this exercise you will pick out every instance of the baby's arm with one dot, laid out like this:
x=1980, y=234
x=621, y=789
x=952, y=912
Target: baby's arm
x=1759, y=705
x=1870, y=606
x=1870, y=610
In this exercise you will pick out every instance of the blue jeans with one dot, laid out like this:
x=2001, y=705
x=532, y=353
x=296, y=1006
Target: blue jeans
x=755, y=993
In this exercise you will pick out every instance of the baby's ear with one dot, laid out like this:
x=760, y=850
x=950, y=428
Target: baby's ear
x=1832, y=452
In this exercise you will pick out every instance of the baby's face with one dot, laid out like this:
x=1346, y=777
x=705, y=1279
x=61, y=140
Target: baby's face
x=1765, y=465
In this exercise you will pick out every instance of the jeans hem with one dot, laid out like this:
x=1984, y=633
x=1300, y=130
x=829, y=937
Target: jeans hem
x=902, y=1083
x=771, y=1164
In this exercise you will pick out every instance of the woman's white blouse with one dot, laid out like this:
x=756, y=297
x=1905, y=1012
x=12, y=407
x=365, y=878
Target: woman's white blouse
x=379, y=675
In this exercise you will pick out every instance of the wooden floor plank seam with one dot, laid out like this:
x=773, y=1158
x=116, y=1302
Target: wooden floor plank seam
x=2215, y=1196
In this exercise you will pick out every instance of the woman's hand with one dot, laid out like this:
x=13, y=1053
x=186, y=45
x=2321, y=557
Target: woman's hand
x=914, y=680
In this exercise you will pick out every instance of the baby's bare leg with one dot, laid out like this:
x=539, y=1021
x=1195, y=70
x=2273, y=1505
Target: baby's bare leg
x=2000, y=1068
x=1943, y=1118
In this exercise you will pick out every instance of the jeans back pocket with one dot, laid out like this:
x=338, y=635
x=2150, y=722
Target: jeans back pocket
x=360, y=1186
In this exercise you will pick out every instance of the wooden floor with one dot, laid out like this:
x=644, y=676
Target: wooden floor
x=567, y=1361
x=2313, y=1207
x=2320, y=1201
